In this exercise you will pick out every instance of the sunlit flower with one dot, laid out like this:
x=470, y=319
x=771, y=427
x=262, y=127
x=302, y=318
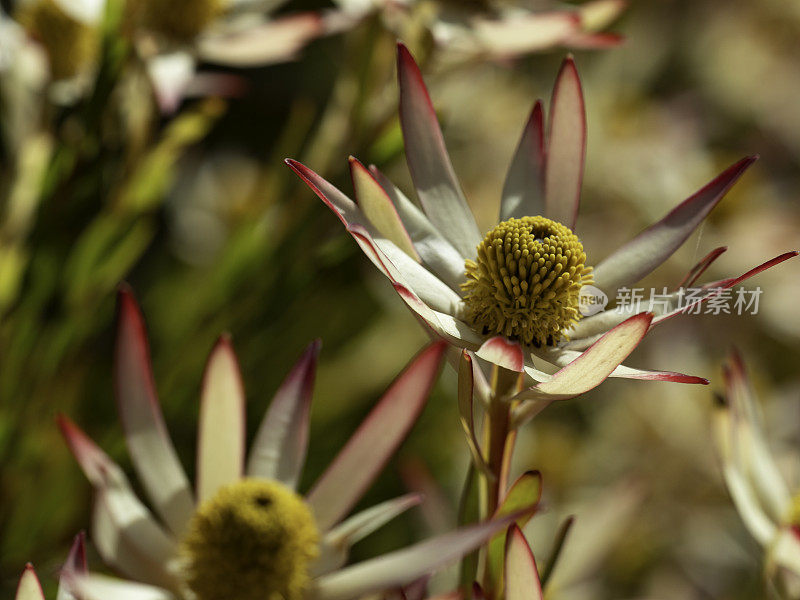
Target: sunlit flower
x=245, y=532
x=755, y=482
x=171, y=38
x=30, y=588
x=494, y=29
x=512, y=295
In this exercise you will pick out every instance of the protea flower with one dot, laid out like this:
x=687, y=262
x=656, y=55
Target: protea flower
x=495, y=30
x=512, y=294
x=755, y=483
x=171, y=37
x=30, y=588
x=245, y=532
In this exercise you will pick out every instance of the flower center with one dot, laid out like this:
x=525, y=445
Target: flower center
x=254, y=540
x=525, y=282
x=179, y=20
x=69, y=44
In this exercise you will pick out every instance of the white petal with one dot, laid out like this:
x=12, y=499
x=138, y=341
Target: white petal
x=170, y=75
x=404, y=269
x=275, y=41
x=404, y=566
x=221, y=431
x=436, y=252
x=101, y=587
x=376, y=439
x=29, y=587
x=566, y=147
x=336, y=543
x=437, y=187
x=125, y=533
x=654, y=245
x=149, y=445
x=74, y=565
x=523, y=192
x=279, y=450
x=589, y=370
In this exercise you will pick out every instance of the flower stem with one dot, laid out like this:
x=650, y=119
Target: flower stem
x=500, y=437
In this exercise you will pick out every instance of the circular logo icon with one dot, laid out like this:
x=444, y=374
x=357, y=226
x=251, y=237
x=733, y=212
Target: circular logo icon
x=592, y=300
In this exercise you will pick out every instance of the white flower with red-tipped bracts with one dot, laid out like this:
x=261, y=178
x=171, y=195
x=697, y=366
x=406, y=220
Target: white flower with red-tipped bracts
x=754, y=481
x=172, y=37
x=244, y=532
x=29, y=587
x=494, y=300
x=494, y=30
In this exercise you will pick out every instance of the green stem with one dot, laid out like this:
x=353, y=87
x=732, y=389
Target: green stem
x=499, y=444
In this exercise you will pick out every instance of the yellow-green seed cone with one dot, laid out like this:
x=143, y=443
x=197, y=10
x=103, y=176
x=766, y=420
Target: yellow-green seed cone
x=70, y=45
x=254, y=540
x=525, y=283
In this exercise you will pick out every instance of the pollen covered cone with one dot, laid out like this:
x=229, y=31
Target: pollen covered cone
x=70, y=44
x=525, y=283
x=179, y=20
x=254, y=540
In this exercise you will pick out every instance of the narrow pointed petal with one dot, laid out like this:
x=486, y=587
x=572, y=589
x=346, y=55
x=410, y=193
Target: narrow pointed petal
x=149, y=445
x=756, y=459
x=29, y=587
x=502, y=352
x=124, y=532
x=523, y=192
x=518, y=34
x=374, y=442
x=521, y=574
x=277, y=40
x=562, y=357
x=129, y=540
x=566, y=147
x=101, y=587
x=279, y=450
x=379, y=209
x=425, y=284
x=716, y=287
x=403, y=566
x=74, y=565
x=654, y=245
x=436, y=252
x=697, y=271
x=587, y=371
x=171, y=75
x=742, y=493
x=221, y=431
x=438, y=188
x=364, y=523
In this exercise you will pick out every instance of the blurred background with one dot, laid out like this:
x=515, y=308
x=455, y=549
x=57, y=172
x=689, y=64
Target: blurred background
x=196, y=210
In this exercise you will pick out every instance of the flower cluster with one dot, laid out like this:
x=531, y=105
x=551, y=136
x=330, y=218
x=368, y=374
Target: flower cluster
x=520, y=309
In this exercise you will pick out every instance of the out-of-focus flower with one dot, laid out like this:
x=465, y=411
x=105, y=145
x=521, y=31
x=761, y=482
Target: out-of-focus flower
x=493, y=29
x=250, y=534
x=516, y=300
x=67, y=30
x=30, y=588
x=171, y=37
x=755, y=483
x=174, y=36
